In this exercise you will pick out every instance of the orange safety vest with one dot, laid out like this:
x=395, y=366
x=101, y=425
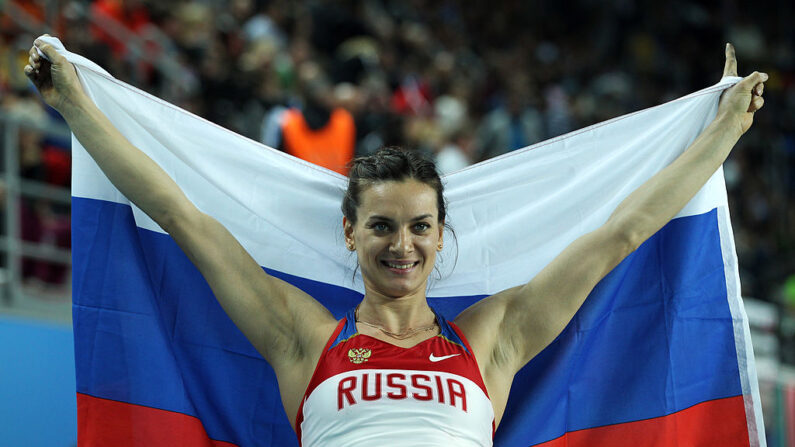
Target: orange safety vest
x=331, y=146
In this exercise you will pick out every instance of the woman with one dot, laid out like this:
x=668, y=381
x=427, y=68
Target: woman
x=392, y=370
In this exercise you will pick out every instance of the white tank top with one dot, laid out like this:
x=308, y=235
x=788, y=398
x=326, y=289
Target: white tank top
x=365, y=391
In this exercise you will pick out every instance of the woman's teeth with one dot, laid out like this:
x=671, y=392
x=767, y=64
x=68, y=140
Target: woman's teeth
x=399, y=266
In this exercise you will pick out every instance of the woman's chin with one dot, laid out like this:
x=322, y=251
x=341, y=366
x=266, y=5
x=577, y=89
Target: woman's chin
x=384, y=281
x=400, y=288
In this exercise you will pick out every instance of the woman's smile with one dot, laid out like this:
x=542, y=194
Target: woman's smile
x=401, y=267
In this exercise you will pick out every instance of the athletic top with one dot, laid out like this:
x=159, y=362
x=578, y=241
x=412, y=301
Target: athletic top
x=365, y=391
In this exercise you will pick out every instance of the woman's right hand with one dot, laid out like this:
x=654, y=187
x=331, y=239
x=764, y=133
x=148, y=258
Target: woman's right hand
x=56, y=78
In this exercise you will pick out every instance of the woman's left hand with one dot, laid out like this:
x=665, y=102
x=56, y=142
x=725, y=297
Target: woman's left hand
x=738, y=104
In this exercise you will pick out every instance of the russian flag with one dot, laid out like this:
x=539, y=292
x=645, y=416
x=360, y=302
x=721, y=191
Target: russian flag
x=659, y=355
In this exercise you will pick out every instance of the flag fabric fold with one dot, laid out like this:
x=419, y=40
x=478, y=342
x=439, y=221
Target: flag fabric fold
x=659, y=355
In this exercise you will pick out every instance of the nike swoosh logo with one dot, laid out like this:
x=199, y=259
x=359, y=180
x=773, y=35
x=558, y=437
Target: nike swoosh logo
x=433, y=358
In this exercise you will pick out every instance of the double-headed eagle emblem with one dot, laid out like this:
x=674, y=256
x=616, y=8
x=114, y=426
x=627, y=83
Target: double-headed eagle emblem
x=359, y=355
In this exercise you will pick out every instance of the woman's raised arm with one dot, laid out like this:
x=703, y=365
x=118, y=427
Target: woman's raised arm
x=283, y=323
x=529, y=317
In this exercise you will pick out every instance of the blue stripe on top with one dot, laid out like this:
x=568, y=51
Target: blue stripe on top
x=448, y=332
x=349, y=330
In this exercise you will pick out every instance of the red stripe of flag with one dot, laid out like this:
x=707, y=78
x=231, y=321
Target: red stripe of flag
x=718, y=422
x=102, y=422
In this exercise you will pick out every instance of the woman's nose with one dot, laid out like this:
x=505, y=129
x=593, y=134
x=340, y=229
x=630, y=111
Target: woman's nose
x=401, y=243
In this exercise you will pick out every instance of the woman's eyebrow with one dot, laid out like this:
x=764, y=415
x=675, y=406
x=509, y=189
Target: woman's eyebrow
x=389, y=219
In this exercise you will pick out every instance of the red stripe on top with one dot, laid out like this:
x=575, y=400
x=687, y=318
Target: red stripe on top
x=718, y=422
x=299, y=417
x=460, y=334
x=480, y=382
x=103, y=422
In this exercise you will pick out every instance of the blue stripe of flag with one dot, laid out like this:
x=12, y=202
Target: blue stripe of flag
x=654, y=337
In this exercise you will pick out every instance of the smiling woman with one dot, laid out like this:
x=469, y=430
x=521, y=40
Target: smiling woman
x=396, y=231
x=393, y=357
x=395, y=223
x=395, y=183
x=393, y=371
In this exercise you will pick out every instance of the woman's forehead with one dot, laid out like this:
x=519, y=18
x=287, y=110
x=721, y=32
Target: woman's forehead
x=406, y=197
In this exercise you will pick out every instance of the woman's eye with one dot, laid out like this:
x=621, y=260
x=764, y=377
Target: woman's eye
x=421, y=227
x=380, y=226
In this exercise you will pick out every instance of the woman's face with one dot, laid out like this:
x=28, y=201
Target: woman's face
x=396, y=236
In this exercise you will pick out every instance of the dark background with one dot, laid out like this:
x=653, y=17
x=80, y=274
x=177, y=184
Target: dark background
x=467, y=80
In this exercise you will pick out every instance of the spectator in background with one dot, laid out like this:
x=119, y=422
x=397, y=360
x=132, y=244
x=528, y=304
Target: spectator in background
x=451, y=116
x=319, y=132
x=515, y=123
x=456, y=154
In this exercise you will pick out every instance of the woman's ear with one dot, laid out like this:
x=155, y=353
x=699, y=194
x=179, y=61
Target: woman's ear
x=441, y=236
x=347, y=229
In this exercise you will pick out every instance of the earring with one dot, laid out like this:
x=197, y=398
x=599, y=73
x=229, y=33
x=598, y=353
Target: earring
x=439, y=248
x=350, y=246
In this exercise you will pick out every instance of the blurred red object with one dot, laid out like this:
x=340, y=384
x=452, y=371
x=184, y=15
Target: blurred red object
x=58, y=164
x=131, y=14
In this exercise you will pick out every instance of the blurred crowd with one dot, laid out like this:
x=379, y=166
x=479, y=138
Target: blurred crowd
x=463, y=81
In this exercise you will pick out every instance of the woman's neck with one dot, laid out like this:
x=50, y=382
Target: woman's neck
x=395, y=315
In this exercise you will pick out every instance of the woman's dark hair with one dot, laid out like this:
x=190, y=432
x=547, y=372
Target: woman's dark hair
x=391, y=163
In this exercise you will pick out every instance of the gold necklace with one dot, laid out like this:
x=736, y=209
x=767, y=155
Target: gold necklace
x=398, y=336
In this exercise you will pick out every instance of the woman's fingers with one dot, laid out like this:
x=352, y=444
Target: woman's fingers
x=30, y=71
x=752, y=81
x=48, y=51
x=32, y=74
x=38, y=68
x=730, y=67
x=33, y=58
x=756, y=104
x=756, y=97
